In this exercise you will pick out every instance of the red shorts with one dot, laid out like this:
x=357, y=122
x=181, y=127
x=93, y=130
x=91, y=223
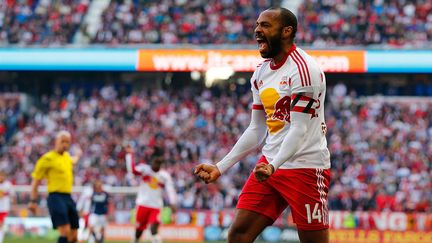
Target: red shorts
x=146, y=216
x=304, y=190
x=3, y=215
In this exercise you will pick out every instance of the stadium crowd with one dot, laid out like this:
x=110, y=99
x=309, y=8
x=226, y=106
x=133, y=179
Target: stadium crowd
x=381, y=151
x=42, y=22
x=393, y=23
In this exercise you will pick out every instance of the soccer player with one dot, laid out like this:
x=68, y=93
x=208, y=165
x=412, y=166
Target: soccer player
x=6, y=197
x=98, y=215
x=83, y=207
x=288, y=119
x=149, y=201
x=57, y=167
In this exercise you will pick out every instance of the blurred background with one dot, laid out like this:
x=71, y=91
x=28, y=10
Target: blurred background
x=176, y=73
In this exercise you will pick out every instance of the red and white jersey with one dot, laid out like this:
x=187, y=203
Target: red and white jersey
x=152, y=185
x=275, y=89
x=5, y=196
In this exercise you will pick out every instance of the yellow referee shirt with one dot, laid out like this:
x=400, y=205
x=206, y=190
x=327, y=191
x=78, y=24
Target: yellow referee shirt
x=57, y=169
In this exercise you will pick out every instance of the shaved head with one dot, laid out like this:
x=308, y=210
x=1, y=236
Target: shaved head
x=62, y=141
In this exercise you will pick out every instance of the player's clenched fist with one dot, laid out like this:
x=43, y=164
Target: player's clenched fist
x=207, y=172
x=263, y=171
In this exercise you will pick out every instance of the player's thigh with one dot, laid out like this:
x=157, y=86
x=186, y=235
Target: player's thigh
x=261, y=197
x=306, y=191
x=72, y=213
x=247, y=225
x=142, y=218
x=58, y=211
x=314, y=236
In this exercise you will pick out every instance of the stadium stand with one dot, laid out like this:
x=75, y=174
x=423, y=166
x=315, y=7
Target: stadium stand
x=323, y=23
x=384, y=167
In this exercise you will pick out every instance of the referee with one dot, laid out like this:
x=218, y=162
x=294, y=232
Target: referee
x=57, y=167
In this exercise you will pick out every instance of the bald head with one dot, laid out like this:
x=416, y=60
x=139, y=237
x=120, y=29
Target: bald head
x=62, y=141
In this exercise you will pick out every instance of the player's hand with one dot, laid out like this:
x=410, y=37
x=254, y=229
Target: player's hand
x=32, y=206
x=207, y=172
x=263, y=171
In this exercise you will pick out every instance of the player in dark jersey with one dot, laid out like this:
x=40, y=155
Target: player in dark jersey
x=98, y=213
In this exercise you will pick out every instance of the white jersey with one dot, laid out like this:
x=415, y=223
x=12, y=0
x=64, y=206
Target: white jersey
x=84, y=201
x=152, y=184
x=6, y=192
x=274, y=89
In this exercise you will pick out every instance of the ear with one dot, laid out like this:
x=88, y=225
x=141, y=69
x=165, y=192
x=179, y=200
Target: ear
x=287, y=32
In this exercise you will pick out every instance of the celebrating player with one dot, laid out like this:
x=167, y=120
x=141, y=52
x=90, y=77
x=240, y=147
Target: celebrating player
x=6, y=196
x=150, y=198
x=288, y=114
x=57, y=167
x=98, y=215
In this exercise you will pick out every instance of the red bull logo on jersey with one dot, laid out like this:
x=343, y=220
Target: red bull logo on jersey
x=260, y=84
x=284, y=83
x=277, y=109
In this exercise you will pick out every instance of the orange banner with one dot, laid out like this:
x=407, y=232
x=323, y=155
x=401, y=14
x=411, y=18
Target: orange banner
x=239, y=60
x=181, y=233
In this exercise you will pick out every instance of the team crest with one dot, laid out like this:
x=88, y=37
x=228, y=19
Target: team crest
x=284, y=83
x=260, y=84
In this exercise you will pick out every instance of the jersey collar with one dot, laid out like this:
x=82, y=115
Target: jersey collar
x=275, y=67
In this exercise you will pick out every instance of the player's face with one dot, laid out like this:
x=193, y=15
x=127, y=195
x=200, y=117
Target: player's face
x=157, y=163
x=268, y=34
x=62, y=143
x=98, y=186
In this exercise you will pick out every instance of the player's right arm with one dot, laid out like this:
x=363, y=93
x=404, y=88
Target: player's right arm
x=132, y=168
x=41, y=168
x=249, y=141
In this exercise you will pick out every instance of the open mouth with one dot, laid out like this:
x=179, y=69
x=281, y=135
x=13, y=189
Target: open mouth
x=262, y=43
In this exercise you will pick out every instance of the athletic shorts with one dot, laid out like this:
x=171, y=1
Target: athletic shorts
x=97, y=220
x=62, y=209
x=146, y=216
x=3, y=216
x=304, y=190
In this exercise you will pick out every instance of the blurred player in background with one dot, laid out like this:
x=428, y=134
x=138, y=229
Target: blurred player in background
x=288, y=114
x=6, y=198
x=98, y=213
x=57, y=167
x=83, y=207
x=149, y=201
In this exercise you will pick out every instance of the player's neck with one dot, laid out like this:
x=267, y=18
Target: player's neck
x=281, y=56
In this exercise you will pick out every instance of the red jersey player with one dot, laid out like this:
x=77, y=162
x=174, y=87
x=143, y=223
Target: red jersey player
x=149, y=201
x=288, y=117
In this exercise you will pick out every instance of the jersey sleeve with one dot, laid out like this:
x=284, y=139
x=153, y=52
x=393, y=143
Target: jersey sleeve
x=41, y=168
x=256, y=102
x=141, y=169
x=305, y=87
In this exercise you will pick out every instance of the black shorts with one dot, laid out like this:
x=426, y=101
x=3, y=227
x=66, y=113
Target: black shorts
x=62, y=209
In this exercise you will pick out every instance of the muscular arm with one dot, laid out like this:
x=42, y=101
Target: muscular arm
x=250, y=140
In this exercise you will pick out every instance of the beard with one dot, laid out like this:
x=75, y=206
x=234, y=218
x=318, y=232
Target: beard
x=274, y=44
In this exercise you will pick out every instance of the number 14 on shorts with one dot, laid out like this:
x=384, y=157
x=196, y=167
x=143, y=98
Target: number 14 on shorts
x=316, y=213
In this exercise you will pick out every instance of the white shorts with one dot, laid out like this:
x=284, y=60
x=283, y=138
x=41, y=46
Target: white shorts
x=97, y=220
